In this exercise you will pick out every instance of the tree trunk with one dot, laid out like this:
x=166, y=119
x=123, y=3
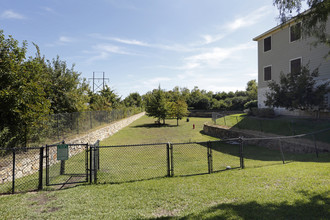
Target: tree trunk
x=177, y=122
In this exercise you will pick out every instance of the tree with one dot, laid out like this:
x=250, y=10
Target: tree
x=178, y=110
x=133, y=100
x=252, y=89
x=67, y=92
x=105, y=100
x=297, y=91
x=23, y=100
x=313, y=22
x=156, y=105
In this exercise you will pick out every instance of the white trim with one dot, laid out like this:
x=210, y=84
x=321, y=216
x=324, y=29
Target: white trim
x=270, y=72
x=301, y=64
x=271, y=44
x=290, y=26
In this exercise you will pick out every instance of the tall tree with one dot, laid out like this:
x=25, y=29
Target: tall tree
x=178, y=110
x=106, y=99
x=23, y=100
x=156, y=105
x=66, y=90
x=133, y=100
x=252, y=89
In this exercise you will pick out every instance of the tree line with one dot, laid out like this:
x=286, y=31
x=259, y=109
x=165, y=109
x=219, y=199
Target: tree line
x=32, y=88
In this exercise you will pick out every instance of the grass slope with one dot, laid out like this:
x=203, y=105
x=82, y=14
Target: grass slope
x=266, y=189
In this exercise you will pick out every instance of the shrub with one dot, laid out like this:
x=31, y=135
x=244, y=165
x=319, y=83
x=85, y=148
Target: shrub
x=251, y=104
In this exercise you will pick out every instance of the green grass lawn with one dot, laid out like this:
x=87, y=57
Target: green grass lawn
x=145, y=131
x=265, y=189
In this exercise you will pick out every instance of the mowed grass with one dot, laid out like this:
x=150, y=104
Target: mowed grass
x=145, y=131
x=265, y=189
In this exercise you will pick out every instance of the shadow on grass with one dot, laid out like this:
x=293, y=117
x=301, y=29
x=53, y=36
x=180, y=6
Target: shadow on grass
x=154, y=126
x=315, y=206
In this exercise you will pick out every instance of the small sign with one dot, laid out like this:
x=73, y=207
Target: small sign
x=62, y=152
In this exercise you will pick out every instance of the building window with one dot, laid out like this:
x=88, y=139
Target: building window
x=295, y=32
x=295, y=66
x=267, y=44
x=267, y=73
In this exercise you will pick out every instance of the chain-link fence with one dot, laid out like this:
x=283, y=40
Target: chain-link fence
x=131, y=162
x=146, y=161
x=288, y=126
x=61, y=126
x=71, y=169
x=20, y=170
x=63, y=164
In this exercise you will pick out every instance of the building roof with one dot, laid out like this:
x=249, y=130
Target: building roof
x=279, y=27
x=275, y=29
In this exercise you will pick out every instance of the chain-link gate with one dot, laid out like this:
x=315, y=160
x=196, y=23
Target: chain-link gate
x=67, y=164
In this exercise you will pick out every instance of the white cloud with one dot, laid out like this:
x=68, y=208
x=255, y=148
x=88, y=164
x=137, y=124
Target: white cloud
x=103, y=52
x=134, y=42
x=109, y=48
x=9, y=14
x=213, y=57
x=242, y=21
x=249, y=19
x=64, y=39
x=210, y=39
x=130, y=42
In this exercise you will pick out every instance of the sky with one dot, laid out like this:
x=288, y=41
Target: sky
x=141, y=44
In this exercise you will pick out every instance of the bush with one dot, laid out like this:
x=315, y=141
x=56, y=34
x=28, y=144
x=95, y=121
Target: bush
x=263, y=112
x=251, y=104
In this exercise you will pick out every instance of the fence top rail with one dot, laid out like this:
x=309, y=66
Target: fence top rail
x=132, y=145
x=54, y=145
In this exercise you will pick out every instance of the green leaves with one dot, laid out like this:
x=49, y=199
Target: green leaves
x=297, y=91
x=31, y=89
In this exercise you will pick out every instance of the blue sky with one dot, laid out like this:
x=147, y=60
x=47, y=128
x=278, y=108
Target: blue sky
x=143, y=43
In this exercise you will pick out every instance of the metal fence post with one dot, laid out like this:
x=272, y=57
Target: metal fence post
x=95, y=163
x=171, y=159
x=209, y=157
x=241, y=152
x=14, y=165
x=224, y=119
x=280, y=144
x=90, y=165
x=47, y=165
x=316, y=150
x=62, y=169
x=168, y=160
x=41, y=160
x=86, y=162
